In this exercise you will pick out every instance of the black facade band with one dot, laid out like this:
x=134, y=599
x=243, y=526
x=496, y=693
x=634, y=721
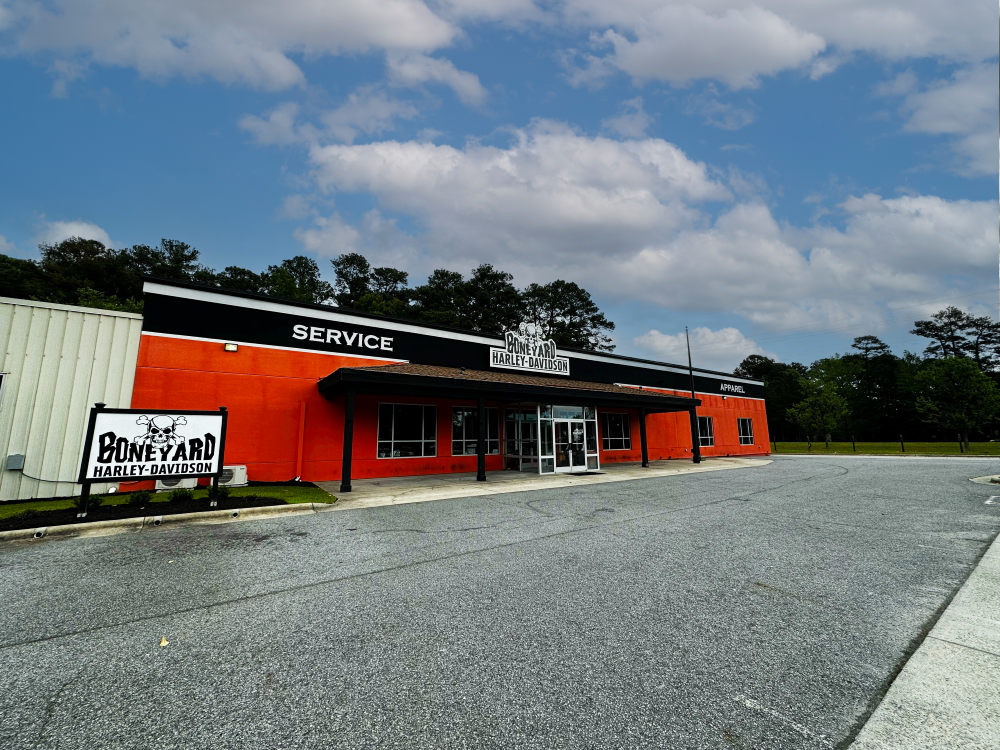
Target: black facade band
x=363, y=337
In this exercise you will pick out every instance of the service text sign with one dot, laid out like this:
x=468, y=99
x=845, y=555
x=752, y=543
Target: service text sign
x=150, y=444
x=529, y=354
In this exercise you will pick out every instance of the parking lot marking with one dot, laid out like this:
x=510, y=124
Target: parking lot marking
x=804, y=731
x=995, y=500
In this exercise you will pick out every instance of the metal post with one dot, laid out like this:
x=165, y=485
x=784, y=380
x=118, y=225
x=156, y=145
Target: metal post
x=481, y=443
x=961, y=448
x=85, y=487
x=854, y=445
x=345, y=471
x=642, y=438
x=84, y=500
x=902, y=447
x=213, y=494
x=695, y=436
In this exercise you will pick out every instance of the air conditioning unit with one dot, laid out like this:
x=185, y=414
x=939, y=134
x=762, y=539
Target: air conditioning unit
x=171, y=483
x=233, y=476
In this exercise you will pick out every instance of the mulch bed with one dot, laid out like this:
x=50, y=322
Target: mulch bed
x=115, y=512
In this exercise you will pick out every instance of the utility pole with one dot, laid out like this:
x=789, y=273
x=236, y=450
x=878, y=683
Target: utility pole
x=690, y=369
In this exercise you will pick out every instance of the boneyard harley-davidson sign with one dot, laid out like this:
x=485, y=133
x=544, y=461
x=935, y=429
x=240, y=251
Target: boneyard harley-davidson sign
x=529, y=354
x=149, y=444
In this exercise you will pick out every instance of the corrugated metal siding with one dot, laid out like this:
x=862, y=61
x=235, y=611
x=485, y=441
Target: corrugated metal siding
x=60, y=360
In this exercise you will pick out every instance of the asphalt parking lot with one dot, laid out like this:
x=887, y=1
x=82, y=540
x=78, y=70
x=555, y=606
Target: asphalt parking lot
x=756, y=608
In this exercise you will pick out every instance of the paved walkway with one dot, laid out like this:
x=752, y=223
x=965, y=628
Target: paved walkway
x=948, y=694
x=370, y=493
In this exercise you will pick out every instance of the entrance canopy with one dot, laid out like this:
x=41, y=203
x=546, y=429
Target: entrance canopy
x=506, y=387
x=433, y=381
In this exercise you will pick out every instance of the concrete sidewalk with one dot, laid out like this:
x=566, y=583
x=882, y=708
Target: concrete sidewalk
x=370, y=493
x=948, y=694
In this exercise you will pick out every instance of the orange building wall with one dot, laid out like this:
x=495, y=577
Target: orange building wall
x=264, y=390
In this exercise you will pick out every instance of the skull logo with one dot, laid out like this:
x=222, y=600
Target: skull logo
x=161, y=431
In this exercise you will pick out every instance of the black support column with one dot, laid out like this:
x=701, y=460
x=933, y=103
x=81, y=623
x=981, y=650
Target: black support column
x=642, y=438
x=345, y=472
x=481, y=443
x=695, y=436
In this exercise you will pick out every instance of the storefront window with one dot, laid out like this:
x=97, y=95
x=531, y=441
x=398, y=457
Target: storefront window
x=616, y=432
x=407, y=430
x=465, y=431
x=567, y=412
x=746, y=431
x=706, y=431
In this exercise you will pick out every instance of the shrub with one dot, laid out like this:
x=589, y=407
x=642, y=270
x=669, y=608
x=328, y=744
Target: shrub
x=96, y=501
x=139, y=497
x=24, y=515
x=180, y=495
x=220, y=494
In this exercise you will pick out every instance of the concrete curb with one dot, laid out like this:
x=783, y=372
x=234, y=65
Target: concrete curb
x=151, y=523
x=947, y=696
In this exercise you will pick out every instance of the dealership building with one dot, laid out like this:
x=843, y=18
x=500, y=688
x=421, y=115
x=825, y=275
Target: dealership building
x=325, y=393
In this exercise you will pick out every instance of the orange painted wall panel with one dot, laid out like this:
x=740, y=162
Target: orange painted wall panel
x=263, y=390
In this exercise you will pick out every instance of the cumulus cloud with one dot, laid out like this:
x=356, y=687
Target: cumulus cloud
x=416, y=69
x=233, y=41
x=637, y=219
x=251, y=42
x=52, y=232
x=681, y=43
x=711, y=350
x=738, y=41
x=966, y=107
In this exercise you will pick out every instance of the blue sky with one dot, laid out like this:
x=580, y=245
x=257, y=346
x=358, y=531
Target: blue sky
x=779, y=176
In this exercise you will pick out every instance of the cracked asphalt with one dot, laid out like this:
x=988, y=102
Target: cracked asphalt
x=756, y=608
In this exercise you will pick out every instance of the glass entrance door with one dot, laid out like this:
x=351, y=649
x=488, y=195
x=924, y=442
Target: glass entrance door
x=571, y=452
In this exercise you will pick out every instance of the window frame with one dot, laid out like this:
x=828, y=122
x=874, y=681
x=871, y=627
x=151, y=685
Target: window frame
x=392, y=441
x=706, y=441
x=625, y=438
x=745, y=439
x=465, y=438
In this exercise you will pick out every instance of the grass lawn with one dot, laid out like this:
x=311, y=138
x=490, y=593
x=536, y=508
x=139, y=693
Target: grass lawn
x=288, y=493
x=937, y=449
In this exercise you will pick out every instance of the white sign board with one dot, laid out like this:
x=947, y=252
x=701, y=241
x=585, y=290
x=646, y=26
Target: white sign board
x=529, y=354
x=135, y=444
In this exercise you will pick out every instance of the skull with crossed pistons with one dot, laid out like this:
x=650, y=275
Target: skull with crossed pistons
x=161, y=431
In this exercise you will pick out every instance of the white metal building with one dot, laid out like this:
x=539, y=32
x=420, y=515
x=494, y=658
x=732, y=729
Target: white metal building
x=56, y=361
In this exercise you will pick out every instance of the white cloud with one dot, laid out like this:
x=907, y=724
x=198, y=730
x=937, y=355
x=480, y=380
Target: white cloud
x=638, y=220
x=631, y=120
x=553, y=197
x=368, y=110
x=6, y=246
x=52, y=232
x=681, y=43
x=738, y=41
x=416, y=69
x=718, y=350
x=966, y=106
x=234, y=41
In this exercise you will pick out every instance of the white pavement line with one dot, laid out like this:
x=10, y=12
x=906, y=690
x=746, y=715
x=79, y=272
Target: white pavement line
x=819, y=739
x=947, y=697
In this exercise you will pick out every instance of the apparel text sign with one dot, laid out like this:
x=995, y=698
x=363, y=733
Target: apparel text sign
x=140, y=444
x=529, y=354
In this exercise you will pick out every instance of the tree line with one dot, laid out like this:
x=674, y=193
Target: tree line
x=85, y=272
x=871, y=394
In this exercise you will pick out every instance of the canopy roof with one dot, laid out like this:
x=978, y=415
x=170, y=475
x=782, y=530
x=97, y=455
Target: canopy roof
x=506, y=386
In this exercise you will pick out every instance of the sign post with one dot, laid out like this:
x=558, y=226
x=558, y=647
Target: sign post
x=143, y=444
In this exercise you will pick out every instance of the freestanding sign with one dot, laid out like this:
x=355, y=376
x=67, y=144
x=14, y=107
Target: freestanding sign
x=138, y=444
